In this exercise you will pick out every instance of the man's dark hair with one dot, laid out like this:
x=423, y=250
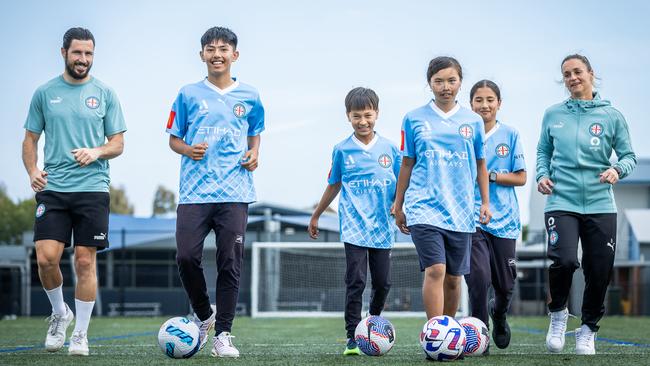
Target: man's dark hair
x=219, y=34
x=78, y=33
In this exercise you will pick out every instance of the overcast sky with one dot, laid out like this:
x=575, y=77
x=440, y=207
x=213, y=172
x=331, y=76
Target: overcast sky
x=304, y=57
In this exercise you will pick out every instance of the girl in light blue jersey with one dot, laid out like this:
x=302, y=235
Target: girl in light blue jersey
x=493, y=245
x=574, y=170
x=443, y=155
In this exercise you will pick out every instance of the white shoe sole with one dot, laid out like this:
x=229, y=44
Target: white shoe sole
x=78, y=353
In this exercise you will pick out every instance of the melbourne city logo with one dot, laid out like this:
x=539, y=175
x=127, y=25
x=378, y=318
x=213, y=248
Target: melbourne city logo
x=502, y=150
x=239, y=110
x=385, y=161
x=92, y=102
x=466, y=131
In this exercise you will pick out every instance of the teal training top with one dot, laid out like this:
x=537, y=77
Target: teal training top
x=75, y=116
x=575, y=147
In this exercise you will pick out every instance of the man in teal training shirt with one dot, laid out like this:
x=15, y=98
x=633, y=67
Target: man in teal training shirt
x=83, y=122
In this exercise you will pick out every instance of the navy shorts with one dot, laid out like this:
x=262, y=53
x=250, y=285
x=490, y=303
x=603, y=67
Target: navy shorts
x=439, y=246
x=59, y=215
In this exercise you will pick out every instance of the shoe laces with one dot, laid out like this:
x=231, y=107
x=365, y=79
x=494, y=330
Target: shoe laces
x=226, y=338
x=558, y=321
x=78, y=337
x=585, y=336
x=55, y=322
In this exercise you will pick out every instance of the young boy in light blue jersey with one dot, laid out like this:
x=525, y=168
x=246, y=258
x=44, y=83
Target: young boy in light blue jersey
x=442, y=146
x=493, y=260
x=215, y=124
x=364, y=169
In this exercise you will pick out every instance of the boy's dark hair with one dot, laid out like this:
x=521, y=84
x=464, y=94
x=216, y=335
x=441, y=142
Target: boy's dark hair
x=485, y=84
x=441, y=63
x=219, y=34
x=361, y=98
x=78, y=33
x=580, y=57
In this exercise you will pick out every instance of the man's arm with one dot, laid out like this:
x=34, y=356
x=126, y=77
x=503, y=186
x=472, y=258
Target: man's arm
x=37, y=177
x=111, y=149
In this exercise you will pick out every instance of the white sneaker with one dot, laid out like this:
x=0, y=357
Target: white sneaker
x=585, y=338
x=78, y=344
x=223, y=347
x=57, y=330
x=205, y=326
x=556, y=330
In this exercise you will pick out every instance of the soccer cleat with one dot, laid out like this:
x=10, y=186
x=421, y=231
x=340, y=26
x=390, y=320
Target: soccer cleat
x=78, y=344
x=222, y=346
x=58, y=324
x=501, y=329
x=556, y=330
x=585, y=338
x=351, y=348
x=205, y=326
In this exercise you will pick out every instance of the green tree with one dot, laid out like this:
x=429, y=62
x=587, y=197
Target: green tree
x=120, y=202
x=15, y=218
x=164, y=201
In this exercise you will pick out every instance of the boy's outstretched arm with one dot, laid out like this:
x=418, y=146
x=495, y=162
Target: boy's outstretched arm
x=328, y=196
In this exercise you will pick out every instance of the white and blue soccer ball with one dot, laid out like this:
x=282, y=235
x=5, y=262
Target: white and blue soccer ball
x=375, y=335
x=178, y=337
x=477, y=335
x=443, y=338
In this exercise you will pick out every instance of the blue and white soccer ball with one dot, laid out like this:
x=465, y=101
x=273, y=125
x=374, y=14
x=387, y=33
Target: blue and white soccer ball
x=179, y=338
x=375, y=335
x=443, y=338
x=478, y=337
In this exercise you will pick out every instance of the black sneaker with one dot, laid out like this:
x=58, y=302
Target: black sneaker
x=500, y=328
x=351, y=348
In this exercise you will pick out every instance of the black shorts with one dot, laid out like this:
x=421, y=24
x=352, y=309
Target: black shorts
x=59, y=215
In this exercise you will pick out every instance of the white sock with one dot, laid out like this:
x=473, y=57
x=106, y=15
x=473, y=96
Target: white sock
x=84, y=310
x=56, y=299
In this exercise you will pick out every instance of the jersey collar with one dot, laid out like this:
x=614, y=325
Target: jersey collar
x=363, y=146
x=493, y=130
x=218, y=90
x=442, y=114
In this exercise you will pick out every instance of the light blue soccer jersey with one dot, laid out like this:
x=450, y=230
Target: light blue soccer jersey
x=75, y=116
x=504, y=154
x=223, y=119
x=368, y=176
x=445, y=147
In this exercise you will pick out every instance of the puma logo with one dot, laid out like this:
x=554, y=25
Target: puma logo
x=611, y=244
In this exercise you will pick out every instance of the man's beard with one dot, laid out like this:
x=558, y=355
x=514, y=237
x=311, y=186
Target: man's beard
x=74, y=74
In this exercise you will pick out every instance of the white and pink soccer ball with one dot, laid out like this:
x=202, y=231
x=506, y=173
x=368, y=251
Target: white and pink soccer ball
x=443, y=338
x=477, y=335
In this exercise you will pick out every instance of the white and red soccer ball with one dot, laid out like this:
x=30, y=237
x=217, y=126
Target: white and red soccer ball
x=375, y=335
x=477, y=335
x=443, y=338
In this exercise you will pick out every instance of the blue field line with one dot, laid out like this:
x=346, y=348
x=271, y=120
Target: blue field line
x=600, y=339
x=30, y=348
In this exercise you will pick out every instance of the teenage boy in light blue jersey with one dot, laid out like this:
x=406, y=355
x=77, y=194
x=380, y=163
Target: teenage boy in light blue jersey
x=364, y=169
x=443, y=157
x=83, y=123
x=215, y=125
x=573, y=168
x=493, y=261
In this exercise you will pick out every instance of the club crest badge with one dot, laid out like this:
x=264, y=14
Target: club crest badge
x=596, y=129
x=40, y=210
x=92, y=102
x=502, y=150
x=239, y=110
x=466, y=131
x=385, y=161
